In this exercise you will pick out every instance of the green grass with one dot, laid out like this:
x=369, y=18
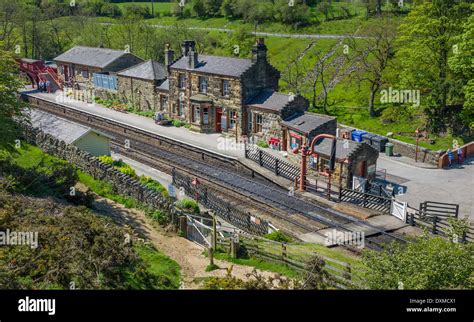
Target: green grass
x=160, y=264
x=159, y=7
x=259, y=264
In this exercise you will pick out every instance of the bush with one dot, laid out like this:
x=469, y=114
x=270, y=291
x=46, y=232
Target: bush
x=128, y=170
x=137, y=10
x=155, y=185
x=178, y=123
x=161, y=217
x=189, y=205
x=262, y=144
x=110, y=10
x=106, y=159
x=279, y=237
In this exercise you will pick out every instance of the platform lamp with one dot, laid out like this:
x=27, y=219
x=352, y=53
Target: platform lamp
x=417, y=133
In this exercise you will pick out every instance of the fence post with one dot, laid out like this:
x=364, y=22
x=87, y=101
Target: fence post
x=433, y=230
x=183, y=226
x=412, y=219
x=173, y=175
x=260, y=152
x=276, y=166
x=246, y=150
x=340, y=193
x=234, y=248
x=463, y=238
x=283, y=253
x=365, y=200
x=348, y=272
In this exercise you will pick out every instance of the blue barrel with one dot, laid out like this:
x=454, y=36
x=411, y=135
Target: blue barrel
x=357, y=135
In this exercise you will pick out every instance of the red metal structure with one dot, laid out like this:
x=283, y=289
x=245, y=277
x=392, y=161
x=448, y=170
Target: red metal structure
x=305, y=151
x=37, y=71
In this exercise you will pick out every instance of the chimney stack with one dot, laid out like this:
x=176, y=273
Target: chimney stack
x=189, y=51
x=169, y=57
x=259, y=50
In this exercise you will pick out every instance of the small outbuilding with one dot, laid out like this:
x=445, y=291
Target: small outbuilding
x=85, y=138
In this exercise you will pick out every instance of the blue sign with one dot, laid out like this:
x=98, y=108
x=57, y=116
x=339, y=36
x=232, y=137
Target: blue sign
x=171, y=191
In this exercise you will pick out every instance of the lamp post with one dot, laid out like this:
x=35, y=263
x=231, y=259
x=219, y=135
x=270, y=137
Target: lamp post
x=236, y=118
x=417, y=133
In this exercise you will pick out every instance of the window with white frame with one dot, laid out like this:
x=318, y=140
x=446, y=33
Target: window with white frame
x=232, y=119
x=225, y=87
x=203, y=83
x=182, y=81
x=258, y=123
x=85, y=73
x=205, y=115
x=196, y=113
x=181, y=108
x=164, y=103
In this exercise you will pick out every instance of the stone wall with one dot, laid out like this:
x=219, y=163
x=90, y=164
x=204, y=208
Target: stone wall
x=140, y=93
x=122, y=183
x=409, y=150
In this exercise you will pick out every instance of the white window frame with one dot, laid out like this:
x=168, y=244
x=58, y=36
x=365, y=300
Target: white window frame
x=225, y=88
x=182, y=81
x=203, y=80
x=205, y=115
x=258, y=124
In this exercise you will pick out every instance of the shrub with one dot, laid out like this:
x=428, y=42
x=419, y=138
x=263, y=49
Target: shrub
x=262, y=144
x=155, y=185
x=189, y=205
x=126, y=169
x=279, y=237
x=106, y=159
x=178, y=123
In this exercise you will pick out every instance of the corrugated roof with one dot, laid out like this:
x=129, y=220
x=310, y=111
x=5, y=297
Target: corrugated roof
x=270, y=100
x=219, y=65
x=58, y=127
x=307, y=122
x=149, y=70
x=90, y=56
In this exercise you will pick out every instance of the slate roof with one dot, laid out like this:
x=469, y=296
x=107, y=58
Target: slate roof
x=90, y=56
x=148, y=70
x=165, y=86
x=270, y=100
x=324, y=148
x=307, y=122
x=58, y=127
x=218, y=65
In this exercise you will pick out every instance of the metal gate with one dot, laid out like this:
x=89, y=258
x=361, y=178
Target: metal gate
x=198, y=232
x=399, y=209
x=358, y=184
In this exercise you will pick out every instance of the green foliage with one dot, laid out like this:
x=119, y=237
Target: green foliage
x=278, y=236
x=427, y=263
x=153, y=184
x=211, y=267
x=262, y=144
x=188, y=205
x=178, y=123
x=126, y=169
x=10, y=105
x=106, y=159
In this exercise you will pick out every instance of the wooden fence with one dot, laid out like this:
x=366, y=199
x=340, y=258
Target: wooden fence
x=296, y=256
x=268, y=161
x=225, y=210
x=436, y=225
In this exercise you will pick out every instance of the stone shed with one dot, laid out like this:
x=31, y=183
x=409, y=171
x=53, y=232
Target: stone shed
x=353, y=159
x=302, y=128
x=139, y=85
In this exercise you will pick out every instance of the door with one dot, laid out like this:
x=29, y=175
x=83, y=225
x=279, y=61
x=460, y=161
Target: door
x=218, y=119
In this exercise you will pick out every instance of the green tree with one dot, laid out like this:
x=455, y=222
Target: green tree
x=10, y=106
x=462, y=64
x=427, y=263
x=426, y=42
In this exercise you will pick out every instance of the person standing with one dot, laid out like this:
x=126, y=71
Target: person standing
x=450, y=157
x=48, y=86
x=40, y=86
x=460, y=156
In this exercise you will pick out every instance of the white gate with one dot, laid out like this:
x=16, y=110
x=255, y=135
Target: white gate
x=399, y=209
x=358, y=184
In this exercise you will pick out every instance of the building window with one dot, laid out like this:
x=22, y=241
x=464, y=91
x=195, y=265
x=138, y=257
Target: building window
x=164, y=103
x=182, y=81
x=85, y=73
x=258, y=123
x=203, y=83
x=181, y=108
x=196, y=114
x=205, y=115
x=295, y=142
x=225, y=87
x=250, y=117
x=232, y=119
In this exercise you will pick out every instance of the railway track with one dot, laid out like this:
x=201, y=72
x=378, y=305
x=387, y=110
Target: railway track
x=219, y=171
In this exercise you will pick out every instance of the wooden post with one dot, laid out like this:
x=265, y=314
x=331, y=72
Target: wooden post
x=276, y=166
x=260, y=157
x=412, y=219
x=183, y=226
x=211, y=256
x=433, y=229
x=348, y=272
x=214, y=232
x=329, y=187
x=246, y=150
x=234, y=248
x=283, y=252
